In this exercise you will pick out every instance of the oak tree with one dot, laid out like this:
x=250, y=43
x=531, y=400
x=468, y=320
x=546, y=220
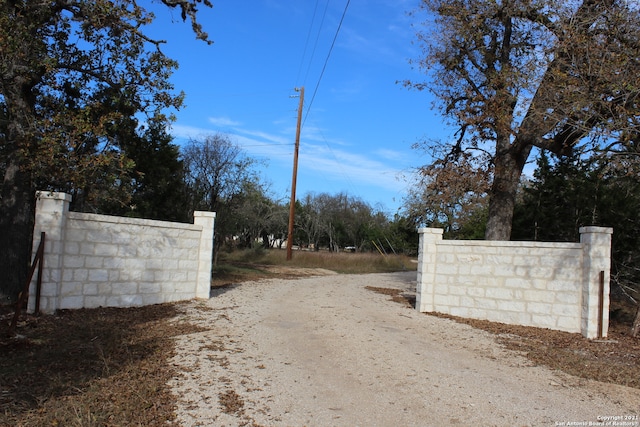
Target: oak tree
x=71, y=71
x=450, y=193
x=516, y=74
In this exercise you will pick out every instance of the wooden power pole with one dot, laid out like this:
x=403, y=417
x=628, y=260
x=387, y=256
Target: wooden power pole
x=292, y=206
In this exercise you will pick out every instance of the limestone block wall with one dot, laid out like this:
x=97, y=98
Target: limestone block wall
x=547, y=285
x=99, y=260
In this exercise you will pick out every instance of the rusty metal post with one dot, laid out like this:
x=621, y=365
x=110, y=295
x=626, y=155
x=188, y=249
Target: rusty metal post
x=601, y=304
x=24, y=294
x=40, y=268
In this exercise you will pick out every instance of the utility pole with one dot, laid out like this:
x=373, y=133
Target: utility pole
x=292, y=206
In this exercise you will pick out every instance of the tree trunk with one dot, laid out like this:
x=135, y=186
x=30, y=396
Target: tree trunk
x=635, y=329
x=17, y=204
x=17, y=192
x=17, y=195
x=508, y=167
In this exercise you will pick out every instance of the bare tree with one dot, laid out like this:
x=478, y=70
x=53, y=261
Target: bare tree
x=219, y=173
x=338, y=220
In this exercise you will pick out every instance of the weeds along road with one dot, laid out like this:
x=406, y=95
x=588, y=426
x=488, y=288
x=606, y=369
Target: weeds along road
x=325, y=351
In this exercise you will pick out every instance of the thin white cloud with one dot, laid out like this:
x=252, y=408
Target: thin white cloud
x=244, y=136
x=339, y=165
x=187, y=132
x=264, y=136
x=369, y=47
x=393, y=155
x=388, y=41
x=316, y=156
x=223, y=122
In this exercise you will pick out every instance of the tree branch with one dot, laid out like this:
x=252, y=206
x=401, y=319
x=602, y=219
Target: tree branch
x=188, y=9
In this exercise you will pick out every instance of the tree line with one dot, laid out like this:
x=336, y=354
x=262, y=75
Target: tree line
x=213, y=173
x=168, y=182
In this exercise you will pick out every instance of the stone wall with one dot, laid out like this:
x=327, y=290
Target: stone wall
x=547, y=285
x=99, y=260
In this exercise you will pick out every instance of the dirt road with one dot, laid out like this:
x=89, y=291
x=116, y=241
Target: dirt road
x=325, y=351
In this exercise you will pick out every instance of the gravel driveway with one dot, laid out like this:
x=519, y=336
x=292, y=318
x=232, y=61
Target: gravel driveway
x=325, y=351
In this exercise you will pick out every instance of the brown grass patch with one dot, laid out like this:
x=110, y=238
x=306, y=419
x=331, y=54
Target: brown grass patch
x=396, y=295
x=260, y=263
x=105, y=366
x=615, y=359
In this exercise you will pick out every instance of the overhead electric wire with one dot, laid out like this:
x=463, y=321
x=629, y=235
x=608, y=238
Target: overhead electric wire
x=315, y=91
x=307, y=106
x=315, y=44
x=326, y=61
x=306, y=44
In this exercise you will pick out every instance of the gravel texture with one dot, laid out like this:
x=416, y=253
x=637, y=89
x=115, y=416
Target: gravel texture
x=326, y=351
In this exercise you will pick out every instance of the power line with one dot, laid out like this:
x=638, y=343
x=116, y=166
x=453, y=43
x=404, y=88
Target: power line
x=339, y=164
x=306, y=44
x=326, y=60
x=315, y=45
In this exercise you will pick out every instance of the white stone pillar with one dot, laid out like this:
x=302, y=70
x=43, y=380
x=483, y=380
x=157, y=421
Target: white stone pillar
x=596, y=243
x=427, y=255
x=205, y=262
x=51, y=218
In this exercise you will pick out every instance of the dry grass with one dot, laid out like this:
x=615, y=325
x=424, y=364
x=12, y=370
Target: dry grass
x=99, y=367
x=243, y=262
x=346, y=263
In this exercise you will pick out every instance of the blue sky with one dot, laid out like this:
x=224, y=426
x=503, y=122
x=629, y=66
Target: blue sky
x=358, y=123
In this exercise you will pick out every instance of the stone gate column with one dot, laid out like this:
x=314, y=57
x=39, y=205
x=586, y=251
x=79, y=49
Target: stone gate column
x=205, y=262
x=427, y=255
x=596, y=267
x=51, y=217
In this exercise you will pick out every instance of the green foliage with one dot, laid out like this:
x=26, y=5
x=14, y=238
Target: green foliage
x=73, y=75
x=474, y=226
x=403, y=235
x=557, y=202
x=156, y=181
x=569, y=193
